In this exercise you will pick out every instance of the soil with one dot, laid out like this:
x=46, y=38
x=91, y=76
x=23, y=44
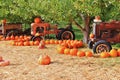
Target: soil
x=24, y=65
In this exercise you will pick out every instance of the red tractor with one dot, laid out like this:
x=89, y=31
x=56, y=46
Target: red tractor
x=105, y=34
x=41, y=29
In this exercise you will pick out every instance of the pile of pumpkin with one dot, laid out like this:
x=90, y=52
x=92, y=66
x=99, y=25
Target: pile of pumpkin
x=4, y=62
x=71, y=47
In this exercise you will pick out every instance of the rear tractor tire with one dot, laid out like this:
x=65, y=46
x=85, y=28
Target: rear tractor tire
x=101, y=46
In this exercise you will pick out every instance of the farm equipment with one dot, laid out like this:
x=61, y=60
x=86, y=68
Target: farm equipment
x=8, y=29
x=41, y=29
x=104, y=34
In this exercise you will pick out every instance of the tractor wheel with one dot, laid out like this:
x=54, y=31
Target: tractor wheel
x=13, y=32
x=57, y=36
x=90, y=44
x=101, y=46
x=66, y=34
x=37, y=38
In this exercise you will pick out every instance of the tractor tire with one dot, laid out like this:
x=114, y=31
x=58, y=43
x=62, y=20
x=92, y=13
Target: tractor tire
x=37, y=38
x=13, y=32
x=57, y=36
x=66, y=34
x=90, y=44
x=101, y=46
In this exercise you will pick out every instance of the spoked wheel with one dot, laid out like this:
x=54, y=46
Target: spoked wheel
x=67, y=34
x=12, y=32
x=37, y=38
x=101, y=46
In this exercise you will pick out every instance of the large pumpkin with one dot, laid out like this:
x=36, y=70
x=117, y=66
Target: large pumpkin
x=44, y=60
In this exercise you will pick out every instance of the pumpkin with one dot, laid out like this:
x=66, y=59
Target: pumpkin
x=61, y=49
x=88, y=54
x=36, y=43
x=31, y=43
x=26, y=43
x=7, y=38
x=47, y=42
x=20, y=43
x=4, y=63
x=73, y=51
x=118, y=52
x=44, y=60
x=91, y=35
x=113, y=53
x=66, y=51
x=42, y=44
x=16, y=37
x=12, y=37
x=37, y=20
x=104, y=54
x=80, y=53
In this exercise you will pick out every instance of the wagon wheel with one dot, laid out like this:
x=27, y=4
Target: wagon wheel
x=67, y=34
x=101, y=46
x=37, y=38
x=12, y=32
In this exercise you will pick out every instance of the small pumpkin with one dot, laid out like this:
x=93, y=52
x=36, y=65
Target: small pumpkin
x=88, y=54
x=80, y=53
x=73, y=51
x=44, y=60
x=104, y=54
x=37, y=20
x=4, y=63
x=113, y=53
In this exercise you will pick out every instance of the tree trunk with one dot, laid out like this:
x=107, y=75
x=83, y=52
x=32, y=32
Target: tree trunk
x=85, y=29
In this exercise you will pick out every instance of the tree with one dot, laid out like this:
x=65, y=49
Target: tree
x=79, y=12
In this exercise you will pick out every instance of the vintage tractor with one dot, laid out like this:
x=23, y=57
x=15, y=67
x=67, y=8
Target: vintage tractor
x=104, y=34
x=41, y=29
x=8, y=29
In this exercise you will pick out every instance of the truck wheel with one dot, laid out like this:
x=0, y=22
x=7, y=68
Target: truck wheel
x=66, y=34
x=37, y=38
x=90, y=44
x=101, y=46
x=13, y=32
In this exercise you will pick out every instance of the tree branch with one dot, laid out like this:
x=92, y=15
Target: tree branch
x=79, y=26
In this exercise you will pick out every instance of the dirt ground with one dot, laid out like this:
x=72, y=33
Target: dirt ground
x=24, y=65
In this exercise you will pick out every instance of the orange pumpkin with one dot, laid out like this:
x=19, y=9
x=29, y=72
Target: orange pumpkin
x=104, y=54
x=44, y=60
x=66, y=51
x=118, y=52
x=12, y=37
x=113, y=53
x=91, y=35
x=37, y=20
x=88, y=54
x=73, y=51
x=47, y=42
x=16, y=37
x=7, y=38
x=61, y=49
x=36, y=43
x=4, y=63
x=20, y=43
x=26, y=43
x=80, y=53
x=31, y=43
